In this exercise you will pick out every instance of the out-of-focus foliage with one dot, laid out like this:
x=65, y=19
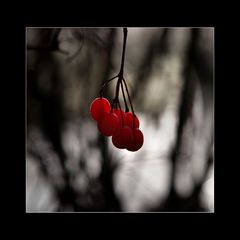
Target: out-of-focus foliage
x=70, y=167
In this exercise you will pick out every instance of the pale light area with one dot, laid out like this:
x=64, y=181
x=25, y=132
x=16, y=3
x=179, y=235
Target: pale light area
x=72, y=145
x=93, y=163
x=207, y=195
x=136, y=37
x=143, y=186
x=143, y=179
x=49, y=158
x=192, y=159
x=80, y=183
x=184, y=180
x=200, y=142
x=178, y=40
x=39, y=194
x=165, y=83
x=76, y=139
x=202, y=136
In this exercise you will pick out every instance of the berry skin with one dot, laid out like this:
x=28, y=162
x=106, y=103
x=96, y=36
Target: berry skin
x=122, y=137
x=137, y=140
x=118, y=113
x=129, y=120
x=108, y=124
x=98, y=107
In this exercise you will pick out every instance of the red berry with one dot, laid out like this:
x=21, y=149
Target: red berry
x=120, y=115
x=137, y=140
x=98, y=107
x=108, y=124
x=122, y=137
x=129, y=120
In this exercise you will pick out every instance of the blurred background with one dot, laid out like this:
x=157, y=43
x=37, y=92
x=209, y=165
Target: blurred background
x=70, y=167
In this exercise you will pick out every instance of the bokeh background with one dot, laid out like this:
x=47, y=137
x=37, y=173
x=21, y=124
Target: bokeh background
x=70, y=167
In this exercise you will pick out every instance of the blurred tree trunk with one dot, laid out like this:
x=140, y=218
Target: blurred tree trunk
x=112, y=202
x=51, y=116
x=193, y=63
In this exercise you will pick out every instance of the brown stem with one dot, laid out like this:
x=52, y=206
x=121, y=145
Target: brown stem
x=125, y=31
x=124, y=81
x=125, y=101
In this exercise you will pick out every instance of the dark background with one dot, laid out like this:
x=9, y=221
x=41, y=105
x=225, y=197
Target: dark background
x=71, y=167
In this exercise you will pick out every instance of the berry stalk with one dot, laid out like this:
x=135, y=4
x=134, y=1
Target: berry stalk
x=125, y=31
x=121, y=113
x=125, y=101
x=124, y=81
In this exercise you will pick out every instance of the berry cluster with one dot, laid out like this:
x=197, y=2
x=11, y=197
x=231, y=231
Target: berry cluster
x=111, y=120
x=122, y=126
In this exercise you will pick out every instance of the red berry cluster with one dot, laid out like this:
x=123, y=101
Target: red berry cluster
x=123, y=126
